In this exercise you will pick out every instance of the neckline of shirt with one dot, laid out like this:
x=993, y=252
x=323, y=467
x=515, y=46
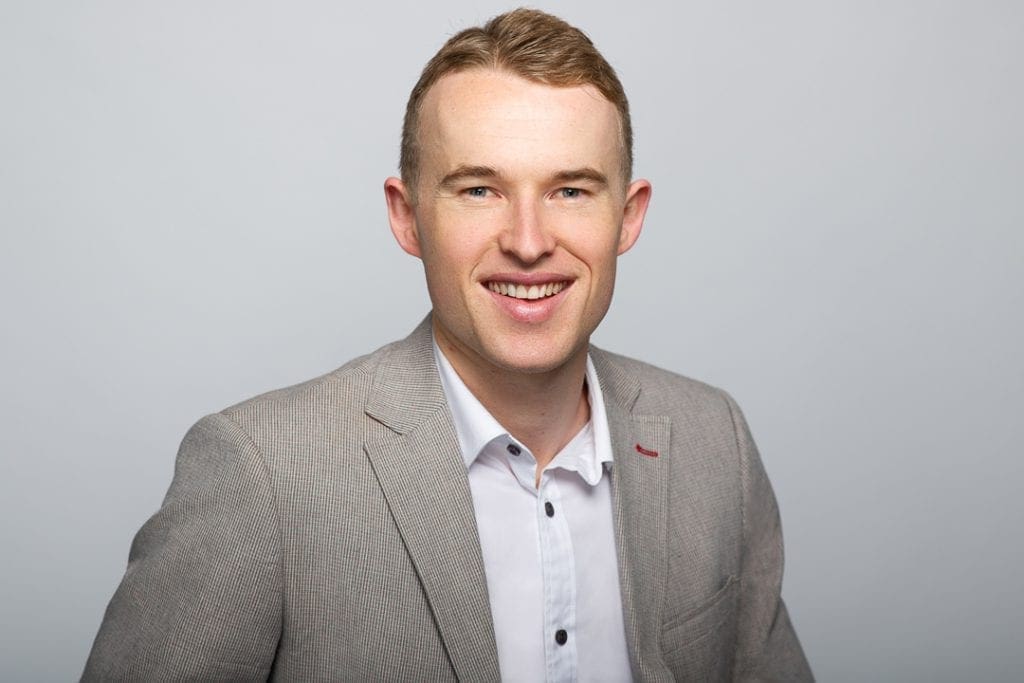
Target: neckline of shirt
x=476, y=428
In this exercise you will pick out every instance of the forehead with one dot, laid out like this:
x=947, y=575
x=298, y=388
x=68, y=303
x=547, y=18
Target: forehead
x=495, y=118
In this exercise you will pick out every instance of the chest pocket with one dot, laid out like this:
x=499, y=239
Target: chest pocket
x=699, y=646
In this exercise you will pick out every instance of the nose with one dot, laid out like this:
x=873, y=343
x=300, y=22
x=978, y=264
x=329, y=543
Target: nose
x=525, y=236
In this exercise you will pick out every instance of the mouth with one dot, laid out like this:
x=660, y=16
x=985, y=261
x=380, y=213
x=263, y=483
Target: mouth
x=528, y=292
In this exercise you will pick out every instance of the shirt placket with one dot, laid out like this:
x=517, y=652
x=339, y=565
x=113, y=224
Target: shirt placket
x=558, y=570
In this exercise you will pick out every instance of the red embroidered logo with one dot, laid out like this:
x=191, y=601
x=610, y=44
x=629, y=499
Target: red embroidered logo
x=643, y=451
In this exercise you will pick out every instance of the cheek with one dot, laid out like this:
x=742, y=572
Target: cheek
x=599, y=250
x=456, y=241
x=447, y=258
x=604, y=279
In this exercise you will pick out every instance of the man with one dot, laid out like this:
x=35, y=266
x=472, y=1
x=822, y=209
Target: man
x=490, y=497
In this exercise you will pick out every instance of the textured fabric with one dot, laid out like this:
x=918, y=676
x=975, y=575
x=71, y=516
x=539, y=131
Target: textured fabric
x=326, y=532
x=549, y=551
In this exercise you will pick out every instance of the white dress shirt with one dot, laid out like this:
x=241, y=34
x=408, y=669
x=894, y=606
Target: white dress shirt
x=548, y=551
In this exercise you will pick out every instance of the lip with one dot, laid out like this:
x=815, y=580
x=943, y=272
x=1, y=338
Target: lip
x=528, y=311
x=527, y=279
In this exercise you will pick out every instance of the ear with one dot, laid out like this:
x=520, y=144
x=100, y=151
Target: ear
x=638, y=196
x=402, y=215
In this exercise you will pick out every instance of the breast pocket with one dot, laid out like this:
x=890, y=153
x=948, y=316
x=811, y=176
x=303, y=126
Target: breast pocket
x=700, y=645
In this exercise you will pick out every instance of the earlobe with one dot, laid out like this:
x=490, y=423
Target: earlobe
x=638, y=196
x=402, y=216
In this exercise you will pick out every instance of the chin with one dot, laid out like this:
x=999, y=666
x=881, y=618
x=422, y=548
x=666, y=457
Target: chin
x=532, y=362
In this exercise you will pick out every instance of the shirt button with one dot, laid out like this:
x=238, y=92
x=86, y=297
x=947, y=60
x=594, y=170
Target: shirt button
x=549, y=510
x=513, y=449
x=561, y=636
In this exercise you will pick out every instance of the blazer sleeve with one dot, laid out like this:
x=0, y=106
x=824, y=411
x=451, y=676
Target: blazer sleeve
x=201, y=598
x=767, y=646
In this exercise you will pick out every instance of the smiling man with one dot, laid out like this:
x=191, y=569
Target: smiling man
x=518, y=208
x=490, y=498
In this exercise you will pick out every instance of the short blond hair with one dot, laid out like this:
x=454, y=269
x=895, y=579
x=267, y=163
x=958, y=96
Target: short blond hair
x=528, y=43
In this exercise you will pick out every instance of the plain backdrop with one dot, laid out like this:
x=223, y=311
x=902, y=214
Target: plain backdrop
x=192, y=212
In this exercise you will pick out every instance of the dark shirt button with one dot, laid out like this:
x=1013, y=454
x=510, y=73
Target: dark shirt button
x=561, y=636
x=549, y=509
x=514, y=449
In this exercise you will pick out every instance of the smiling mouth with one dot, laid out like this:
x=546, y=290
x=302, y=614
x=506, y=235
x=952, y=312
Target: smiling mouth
x=529, y=292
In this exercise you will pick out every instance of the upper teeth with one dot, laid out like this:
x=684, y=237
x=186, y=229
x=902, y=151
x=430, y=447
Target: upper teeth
x=524, y=292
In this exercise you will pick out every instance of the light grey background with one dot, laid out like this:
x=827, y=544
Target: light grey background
x=192, y=212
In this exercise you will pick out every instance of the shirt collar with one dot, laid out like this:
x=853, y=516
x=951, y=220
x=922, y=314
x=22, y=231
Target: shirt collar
x=476, y=427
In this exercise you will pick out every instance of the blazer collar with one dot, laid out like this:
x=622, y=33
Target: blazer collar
x=406, y=389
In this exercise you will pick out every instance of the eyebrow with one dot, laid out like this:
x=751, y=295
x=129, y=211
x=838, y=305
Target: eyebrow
x=464, y=172
x=578, y=174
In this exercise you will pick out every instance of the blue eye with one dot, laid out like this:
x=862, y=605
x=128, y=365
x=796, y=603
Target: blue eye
x=477, y=192
x=571, y=192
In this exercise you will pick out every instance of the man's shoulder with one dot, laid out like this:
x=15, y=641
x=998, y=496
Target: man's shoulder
x=654, y=390
x=348, y=385
x=654, y=378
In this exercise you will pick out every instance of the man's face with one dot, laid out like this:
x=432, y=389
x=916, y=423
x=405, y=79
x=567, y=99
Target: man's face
x=519, y=214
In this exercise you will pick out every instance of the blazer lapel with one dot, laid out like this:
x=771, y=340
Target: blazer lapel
x=640, y=448
x=423, y=477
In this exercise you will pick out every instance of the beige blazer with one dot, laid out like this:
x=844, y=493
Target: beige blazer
x=325, y=532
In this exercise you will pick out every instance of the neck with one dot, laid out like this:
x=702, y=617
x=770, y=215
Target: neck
x=542, y=410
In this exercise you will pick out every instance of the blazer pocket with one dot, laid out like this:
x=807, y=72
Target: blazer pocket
x=700, y=644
